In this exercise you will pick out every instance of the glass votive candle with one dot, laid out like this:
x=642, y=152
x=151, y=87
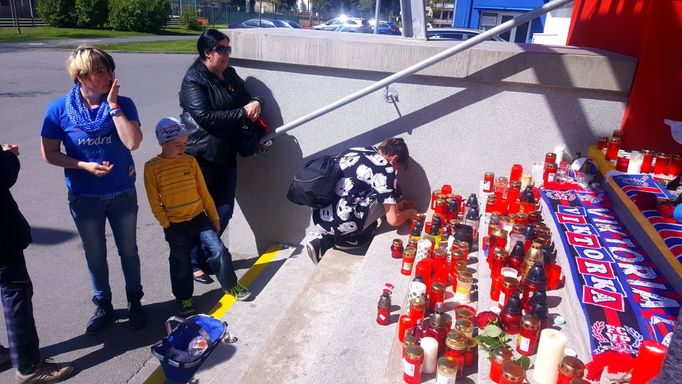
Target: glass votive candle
x=447, y=370
x=601, y=142
x=662, y=163
x=434, y=197
x=512, y=373
x=509, y=286
x=553, y=272
x=571, y=368
x=612, y=148
x=501, y=186
x=649, y=361
x=635, y=164
x=675, y=166
x=404, y=323
x=464, y=312
x=622, y=163
x=417, y=309
x=446, y=189
x=465, y=326
x=647, y=161
x=516, y=172
x=408, y=261
x=488, y=182
x=497, y=282
x=471, y=353
x=501, y=355
x=464, y=282
x=437, y=295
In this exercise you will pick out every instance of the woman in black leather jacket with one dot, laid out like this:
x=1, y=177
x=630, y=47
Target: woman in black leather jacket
x=215, y=105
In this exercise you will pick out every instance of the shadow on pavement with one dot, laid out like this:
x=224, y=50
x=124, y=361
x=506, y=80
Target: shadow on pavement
x=50, y=236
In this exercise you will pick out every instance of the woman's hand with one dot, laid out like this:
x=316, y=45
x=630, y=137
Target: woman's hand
x=11, y=148
x=252, y=110
x=96, y=169
x=112, y=97
x=216, y=226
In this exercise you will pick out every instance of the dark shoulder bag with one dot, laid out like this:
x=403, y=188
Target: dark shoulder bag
x=249, y=137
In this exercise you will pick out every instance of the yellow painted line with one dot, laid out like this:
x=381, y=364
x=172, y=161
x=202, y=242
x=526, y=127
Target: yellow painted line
x=648, y=228
x=226, y=302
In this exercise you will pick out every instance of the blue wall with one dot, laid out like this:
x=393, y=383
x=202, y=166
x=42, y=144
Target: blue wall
x=468, y=12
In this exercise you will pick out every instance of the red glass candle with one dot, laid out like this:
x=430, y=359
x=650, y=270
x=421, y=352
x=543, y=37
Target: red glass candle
x=571, y=368
x=464, y=247
x=500, y=356
x=662, y=163
x=510, y=317
x=456, y=345
x=436, y=296
x=488, y=182
x=446, y=189
x=550, y=157
x=529, y=333
x=514, y=191
x=675, y=166
x=441, y=207
x=516, y=172
x=501, y=205
x=425, y=270
x=550, y=173
x=412, y=365
x=649, y=361
x=512, y=373
x=501, y=184
x=384, y=308
x=553, y=272
x=647, y=161
x=470, y=353
x=397, y=249
x=404, y=323
x=408, y=261
x=434, y=197
x=417, y=309
x=612, y=148
x=498, y=262
x=490, y=204
x=509, y=286
x=601, y=142
x=622, y=163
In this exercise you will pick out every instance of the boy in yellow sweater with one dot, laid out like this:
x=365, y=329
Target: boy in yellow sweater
x=180, y=201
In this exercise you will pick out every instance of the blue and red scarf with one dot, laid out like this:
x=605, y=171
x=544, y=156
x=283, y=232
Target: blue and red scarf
x=625, y=297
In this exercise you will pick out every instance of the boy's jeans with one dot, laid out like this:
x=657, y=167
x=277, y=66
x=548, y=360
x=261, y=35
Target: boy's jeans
x=181, y=238
x=90, y=213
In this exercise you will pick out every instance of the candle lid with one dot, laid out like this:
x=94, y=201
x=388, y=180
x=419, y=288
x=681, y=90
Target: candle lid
x=410, y=340
x=417, y=302
x=530, y=322
x=464, y=312
x=536, y=275
x=471, y=343
x=410, y=251
x=572, y=367
x=457, y=254
x=440, y=253
x=517, y=251
x=614, y=139
x=447, y=364
x=500, y=254
x=465, y=277
x=397, y=242
x=414, y=352
x=512, y=372
x=456, y=340
x=464, y=245
x=518, y=228
x=464, y=325
x=499, y=232
x=501, y=354
x=510, y=282
x=437, y=288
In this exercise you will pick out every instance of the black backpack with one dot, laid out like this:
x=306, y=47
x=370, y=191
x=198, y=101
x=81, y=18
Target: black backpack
x=315, y=184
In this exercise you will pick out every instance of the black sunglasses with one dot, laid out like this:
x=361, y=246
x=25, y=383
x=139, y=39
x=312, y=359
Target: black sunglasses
x=223, y=49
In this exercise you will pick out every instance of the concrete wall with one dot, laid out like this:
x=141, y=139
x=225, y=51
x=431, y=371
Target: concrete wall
x=485, y=109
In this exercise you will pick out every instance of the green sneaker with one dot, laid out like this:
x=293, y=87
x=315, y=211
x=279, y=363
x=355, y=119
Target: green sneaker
x=239, y=292
x=186, y=307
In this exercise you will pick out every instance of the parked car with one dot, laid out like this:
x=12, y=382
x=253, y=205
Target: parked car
x=457, y=34
x=345, y=24
x=266, y=23
x=385, y=28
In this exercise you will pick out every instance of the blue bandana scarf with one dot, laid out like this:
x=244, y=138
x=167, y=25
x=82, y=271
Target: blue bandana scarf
x=92, y=124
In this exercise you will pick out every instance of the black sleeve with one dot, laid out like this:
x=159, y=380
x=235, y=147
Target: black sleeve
x=195, y=99
x=232, y=73
x=9, y=169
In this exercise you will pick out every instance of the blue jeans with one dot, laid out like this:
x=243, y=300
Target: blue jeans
x=222, y=185
x=181, y=238
x=90, y=214
x=16, y=289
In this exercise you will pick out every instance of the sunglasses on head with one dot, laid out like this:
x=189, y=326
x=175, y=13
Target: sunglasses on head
x=223, y=49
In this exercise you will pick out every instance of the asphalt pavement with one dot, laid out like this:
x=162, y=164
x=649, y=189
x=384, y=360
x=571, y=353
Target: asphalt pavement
x=30, y=79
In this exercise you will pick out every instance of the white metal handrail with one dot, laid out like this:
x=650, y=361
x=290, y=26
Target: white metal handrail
x=504, y=27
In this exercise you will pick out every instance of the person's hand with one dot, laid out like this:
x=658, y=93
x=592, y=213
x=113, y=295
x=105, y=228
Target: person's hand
x=112, y=97
x=216, y=226
x=252, y=110
x=406, y=204
x=412, y=213
x=98, y=170
x=11, y=148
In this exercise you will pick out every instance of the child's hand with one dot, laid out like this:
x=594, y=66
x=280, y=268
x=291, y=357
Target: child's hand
x=98, y=170
x=216, y=226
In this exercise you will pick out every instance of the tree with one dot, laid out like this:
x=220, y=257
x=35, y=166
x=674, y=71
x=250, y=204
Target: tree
x=92, y=13
x=140, y=16
x=57, y=13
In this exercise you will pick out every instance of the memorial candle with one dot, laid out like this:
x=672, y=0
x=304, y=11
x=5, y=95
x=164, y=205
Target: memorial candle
x=430, y=347
x=500, y=356
x=571, y=368
x=488, y=182
x=408, y=261
x=647, y=161
x=549, y=356
x=649, y=361
x=412, y=364
x=447, y=370
x=404, y=324
x=612, y=148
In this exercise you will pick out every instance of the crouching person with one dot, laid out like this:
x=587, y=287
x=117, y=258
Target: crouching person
x=180, y=201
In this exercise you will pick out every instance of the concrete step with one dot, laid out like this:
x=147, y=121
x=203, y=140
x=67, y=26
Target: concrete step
x=291, y=351
x=253, y=321
x=359, y=349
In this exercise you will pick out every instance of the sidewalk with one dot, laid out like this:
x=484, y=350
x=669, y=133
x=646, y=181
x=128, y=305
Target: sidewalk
x=93, y=40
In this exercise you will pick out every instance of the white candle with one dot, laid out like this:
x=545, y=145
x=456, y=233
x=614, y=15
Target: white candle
x=430, y=346
x=550, y=353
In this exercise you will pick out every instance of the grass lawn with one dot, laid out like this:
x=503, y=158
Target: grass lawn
x=49, y=33
x=189, y=46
